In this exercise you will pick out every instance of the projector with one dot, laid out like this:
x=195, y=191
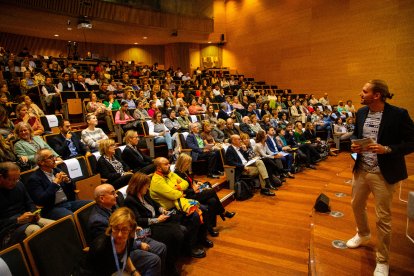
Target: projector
x=85, y=25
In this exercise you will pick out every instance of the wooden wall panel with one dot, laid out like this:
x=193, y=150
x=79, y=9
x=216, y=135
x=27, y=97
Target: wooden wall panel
x=322, y=46
x=148, y=54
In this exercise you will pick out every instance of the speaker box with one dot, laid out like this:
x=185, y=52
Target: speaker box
x=322, y=204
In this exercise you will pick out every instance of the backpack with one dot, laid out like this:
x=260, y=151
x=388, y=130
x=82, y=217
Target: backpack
x=242, y=190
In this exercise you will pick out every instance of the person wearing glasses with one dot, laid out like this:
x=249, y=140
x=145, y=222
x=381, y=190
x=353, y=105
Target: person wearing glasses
x=18, y=216
x=52, y=188
x=111, y=252
x=150, y=253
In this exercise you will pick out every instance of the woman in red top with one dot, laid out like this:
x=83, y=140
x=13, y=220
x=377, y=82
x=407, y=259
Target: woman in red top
x=23, y=116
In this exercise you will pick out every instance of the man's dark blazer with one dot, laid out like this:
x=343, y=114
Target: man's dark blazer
x=80, y=87
x=191, y=141
x=108, y=171
x=222, y=115
x=60, y=145
x=246, y=129
x=229, y=132
x=233, y=159
x=396, y=131
x=97, y=223
x=43, y=192
x=133, y=160
x=271, y=146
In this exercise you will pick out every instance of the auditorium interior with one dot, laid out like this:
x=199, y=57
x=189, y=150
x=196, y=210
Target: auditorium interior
x=211, y=53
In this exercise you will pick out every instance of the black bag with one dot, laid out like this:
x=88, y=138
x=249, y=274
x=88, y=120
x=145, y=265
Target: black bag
x=242, y=190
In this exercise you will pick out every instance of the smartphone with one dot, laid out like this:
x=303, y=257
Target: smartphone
x=144, y=232
x=37, y=211
x=171, y=212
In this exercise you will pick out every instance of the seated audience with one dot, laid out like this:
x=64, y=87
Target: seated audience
x=245, y=127
x=254, y=124
x=67, y=144
x=111, y=166
x=341, y=130
x=18, y=218
x=66, y=85
x=23, y=116
x=100, y=111
x=51, y=95
x=147, y=253
x=166, y=188
x=117, y=240
x=6, y=125
x=211, y=114
x=32, y=108
x=200, y=151
x=194, y=108
x=123, y=118
x=236, y=155
x=171, y=122
x=160, y=132
x=92, y=135
x=27, y=145
x=277, y=146
x=165, y=227
x=230, y=129
x=133, y=157
x=203, y=193
x=51, y=188
x=111, y=102
x=218, y=131
x=183, y=119
x=141, y=113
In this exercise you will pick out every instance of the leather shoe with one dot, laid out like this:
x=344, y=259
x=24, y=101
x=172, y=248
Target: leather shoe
x=290, y=175
x=198, y=253
x=207, y=243
x=267, y=192
x=212, y=232
x=229, y=214
x=271, y=187
x=213, y=176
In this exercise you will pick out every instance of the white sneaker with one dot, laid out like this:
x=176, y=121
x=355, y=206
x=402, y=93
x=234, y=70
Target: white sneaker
x=381, y=269
x=357, y=240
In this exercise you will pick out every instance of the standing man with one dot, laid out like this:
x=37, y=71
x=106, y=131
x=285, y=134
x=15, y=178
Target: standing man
x=379, y=166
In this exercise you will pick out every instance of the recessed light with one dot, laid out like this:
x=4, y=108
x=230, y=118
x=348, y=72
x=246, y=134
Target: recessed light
x=209, y=42
x=69, y=29
x=56, y=35
x=136, y=43
x=145, y=37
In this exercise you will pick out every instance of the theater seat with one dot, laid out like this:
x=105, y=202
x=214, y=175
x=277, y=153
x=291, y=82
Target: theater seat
x=15, y=260
x=56, y=249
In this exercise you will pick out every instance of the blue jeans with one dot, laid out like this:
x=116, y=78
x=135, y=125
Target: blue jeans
x=164, y=139
x=151, y=262
x=64, y=209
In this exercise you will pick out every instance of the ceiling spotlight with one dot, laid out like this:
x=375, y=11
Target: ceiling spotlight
x=145, y=37
x=136, y=43
x=56, y=35
x=209, y=42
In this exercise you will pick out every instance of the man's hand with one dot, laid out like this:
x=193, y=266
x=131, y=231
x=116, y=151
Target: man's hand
x=24, y=159
x=246, y=169
x=25, y=218
x=145, y=246
x=162, y=218
x=377, y=148
x=68, y=135
x=277, y=156
x=356, y=148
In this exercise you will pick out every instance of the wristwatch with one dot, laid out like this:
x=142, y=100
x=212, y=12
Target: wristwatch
x=387, y=150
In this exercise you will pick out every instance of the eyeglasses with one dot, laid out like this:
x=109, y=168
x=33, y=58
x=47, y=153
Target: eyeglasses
x=50, y=157
x=122, y=230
